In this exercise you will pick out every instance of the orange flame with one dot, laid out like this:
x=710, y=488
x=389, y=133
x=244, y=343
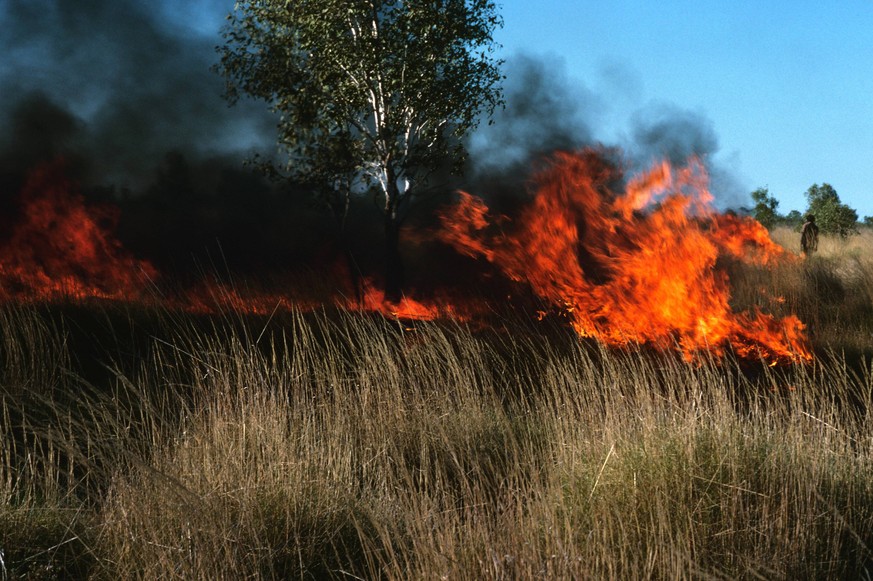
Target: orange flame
x=62, y=249
x=637, y=266
x=631, y=265
x=411, y=309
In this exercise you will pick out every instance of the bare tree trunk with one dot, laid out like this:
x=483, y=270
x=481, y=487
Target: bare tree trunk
x=393, y=261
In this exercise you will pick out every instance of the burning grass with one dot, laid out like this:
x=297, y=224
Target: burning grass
x=231, y=431
x=631, y=261
x=626, y=260
x=831, y=292
x=337, y=445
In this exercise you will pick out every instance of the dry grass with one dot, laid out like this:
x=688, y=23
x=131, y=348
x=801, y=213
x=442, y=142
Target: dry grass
x=829, y=246
x=831, y=291
x=143, y=444
x=340, y=446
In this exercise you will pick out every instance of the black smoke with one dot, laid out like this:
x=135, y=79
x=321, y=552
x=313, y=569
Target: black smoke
x=137, y=83
x=123, y=92
x=668, y=132
x=545, y=111
x=665, y=131
x=548, y=110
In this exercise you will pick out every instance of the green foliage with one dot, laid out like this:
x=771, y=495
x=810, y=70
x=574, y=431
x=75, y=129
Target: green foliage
x=765, y=207
x=868, y=221
x=832, y=216
x=371, y=93
x=793, y=219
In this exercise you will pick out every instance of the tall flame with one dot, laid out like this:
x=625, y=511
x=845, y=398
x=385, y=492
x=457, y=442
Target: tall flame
x=61, y=248
x=636, y=266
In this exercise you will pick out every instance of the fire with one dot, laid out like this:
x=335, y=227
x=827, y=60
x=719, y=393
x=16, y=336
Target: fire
x=630, y=266
x=213, y=297
x=411, y=309
x=408, y=308
x=624, y=263
x=60, y=248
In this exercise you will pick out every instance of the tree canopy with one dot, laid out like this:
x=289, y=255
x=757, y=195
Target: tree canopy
x=765, y=207
x=372, y=94
x=831, y=215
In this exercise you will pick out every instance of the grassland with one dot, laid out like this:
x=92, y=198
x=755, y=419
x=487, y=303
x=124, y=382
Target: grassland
x=142, y=444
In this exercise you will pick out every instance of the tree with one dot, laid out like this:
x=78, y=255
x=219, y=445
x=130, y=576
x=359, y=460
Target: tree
x=373, y=95
x=765, y=208
x=793, y=219
x=831, y=215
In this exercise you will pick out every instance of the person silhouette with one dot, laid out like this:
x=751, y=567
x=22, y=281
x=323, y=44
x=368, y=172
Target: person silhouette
x=809, y=235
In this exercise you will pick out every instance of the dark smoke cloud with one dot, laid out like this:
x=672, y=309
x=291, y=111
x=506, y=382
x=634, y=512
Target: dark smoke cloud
x=545, y=111
x=668, y=132
x=37, y=129
x=137, y=83
x=123, y=91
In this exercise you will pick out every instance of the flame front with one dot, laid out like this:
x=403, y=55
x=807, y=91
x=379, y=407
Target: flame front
x=631, y=267
x=625, y=264
x=60, y=248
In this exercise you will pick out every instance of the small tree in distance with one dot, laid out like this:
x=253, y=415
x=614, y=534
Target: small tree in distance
x=765, y=208
x=372, y=94
x=793, y=219
x=831, y=215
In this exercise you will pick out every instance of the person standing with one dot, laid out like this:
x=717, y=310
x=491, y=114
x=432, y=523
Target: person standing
x=809, y=236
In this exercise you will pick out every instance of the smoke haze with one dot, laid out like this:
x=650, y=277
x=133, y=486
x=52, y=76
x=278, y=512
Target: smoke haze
x=126, y=84
x=547, y=110
x=123, y=91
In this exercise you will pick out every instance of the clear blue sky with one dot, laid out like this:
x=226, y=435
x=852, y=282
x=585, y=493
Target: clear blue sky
x=787, y=86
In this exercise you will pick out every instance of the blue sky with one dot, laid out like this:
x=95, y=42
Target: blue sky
x=786, y=86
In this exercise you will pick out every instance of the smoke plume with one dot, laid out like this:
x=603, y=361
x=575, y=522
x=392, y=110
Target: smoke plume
x=123, y=91
x=548, y=110
x=665, y=131
x=117, y=82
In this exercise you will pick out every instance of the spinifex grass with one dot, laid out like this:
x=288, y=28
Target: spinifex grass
x=333, y=445
x=831, y=290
